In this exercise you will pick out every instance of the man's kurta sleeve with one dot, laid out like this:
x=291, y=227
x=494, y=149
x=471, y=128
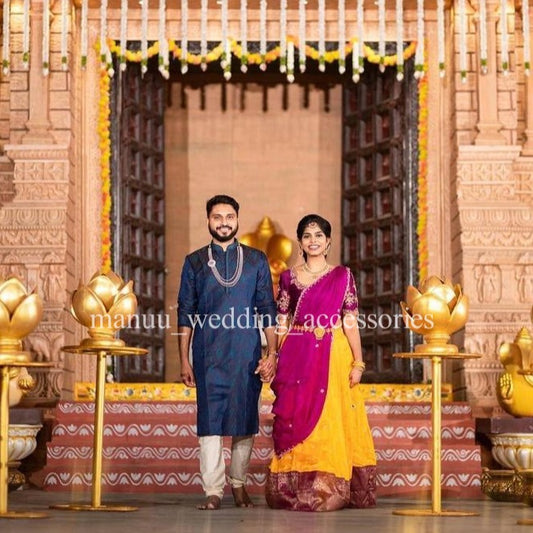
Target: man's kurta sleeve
x=187, y=296
x=266, y=306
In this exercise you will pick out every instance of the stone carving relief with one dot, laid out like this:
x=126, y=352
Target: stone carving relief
x=488, y=283
x=524, y=278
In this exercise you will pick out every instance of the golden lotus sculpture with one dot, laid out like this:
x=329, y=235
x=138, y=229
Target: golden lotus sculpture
x=277, y=247
x=104, y=306
x=435, y=310
x=20, y=312
x=515, y=390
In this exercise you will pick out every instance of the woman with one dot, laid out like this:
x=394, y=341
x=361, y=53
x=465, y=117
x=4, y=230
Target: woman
x=324, y=455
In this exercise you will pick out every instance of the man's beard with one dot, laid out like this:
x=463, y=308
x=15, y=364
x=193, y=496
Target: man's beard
x=223, y=238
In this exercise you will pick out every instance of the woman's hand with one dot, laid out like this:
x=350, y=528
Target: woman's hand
x=267, y=367
x=355, y=376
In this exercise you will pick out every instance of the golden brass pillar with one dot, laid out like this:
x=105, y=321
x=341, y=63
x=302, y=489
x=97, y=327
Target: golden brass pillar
x=105, y=305
x=20, y=312
x=435, y=310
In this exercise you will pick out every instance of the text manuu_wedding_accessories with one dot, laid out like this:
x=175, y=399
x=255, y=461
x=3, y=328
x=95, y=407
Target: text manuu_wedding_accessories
x=230, y=282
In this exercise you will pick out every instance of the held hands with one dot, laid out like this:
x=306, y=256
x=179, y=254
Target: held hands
x=266, y=367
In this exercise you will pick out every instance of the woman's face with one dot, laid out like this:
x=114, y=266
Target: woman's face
x=314, y=241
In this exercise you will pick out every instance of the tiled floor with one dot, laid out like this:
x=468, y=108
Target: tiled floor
x=174, y=513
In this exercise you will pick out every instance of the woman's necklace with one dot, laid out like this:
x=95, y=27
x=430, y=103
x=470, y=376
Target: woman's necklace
x=315, y=273
x=231, y=282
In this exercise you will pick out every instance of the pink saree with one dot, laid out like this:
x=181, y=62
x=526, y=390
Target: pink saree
x=324, y=456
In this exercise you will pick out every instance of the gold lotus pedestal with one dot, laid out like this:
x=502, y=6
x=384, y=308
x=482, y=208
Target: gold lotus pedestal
x=8, y=362
x=435, y=310
x=101, y=352
x=436, y=424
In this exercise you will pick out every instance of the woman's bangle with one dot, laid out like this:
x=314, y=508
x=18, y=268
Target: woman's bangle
x=272, y=353
x=359, y=364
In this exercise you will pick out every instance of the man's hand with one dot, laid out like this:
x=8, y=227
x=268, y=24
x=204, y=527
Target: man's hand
x=266, y=368
x=187, y=375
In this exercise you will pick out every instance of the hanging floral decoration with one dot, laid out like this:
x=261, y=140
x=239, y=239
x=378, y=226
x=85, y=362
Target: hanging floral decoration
x=83, y=33
x=46, y=38
x=423, y=257
x=5, y=40
x=233, y=47
x=105, y=168
x=65, y=4
x=26, y=35
x=483, y=51
x=504, y=37
x=462, y=39
x=441, y=38
x=527, y=37
x=420, y=52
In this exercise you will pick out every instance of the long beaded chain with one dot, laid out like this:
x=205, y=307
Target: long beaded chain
x=231, y=282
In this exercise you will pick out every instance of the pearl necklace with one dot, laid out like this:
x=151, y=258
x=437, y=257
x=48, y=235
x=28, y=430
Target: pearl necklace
x=316, y=273
x=231, y=282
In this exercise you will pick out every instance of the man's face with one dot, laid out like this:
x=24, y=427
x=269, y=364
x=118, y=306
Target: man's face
x=223, y=223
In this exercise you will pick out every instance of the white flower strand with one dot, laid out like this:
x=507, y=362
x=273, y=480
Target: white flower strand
x=381, y=35
x=46, y=38
x=290, y=61
x=262, y=33
x=483, y=53
x=163, y=60
x=399, y=40
x=184, y=35
x=302, y=58
x=203, y=34
x=527, y=38
x=321, y=35
x=358, y=62
x=5, y=40
x=283, y=36
x=244, y=36
x=462, y=40
x=224, y=20
x=103, y=34
x=123, y=34
x=26, y=35
x=144, y=37
x=419, y=53
x=64, y=33
x=342, y=37
x=227, y=68
x=83, y=36
x=505, y=37
x=441, y=39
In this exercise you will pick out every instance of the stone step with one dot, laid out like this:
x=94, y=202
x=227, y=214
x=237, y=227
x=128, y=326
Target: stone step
x=153, y=447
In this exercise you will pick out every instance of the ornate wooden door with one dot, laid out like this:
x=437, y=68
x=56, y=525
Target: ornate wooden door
x=138, y=179
x=379, y=212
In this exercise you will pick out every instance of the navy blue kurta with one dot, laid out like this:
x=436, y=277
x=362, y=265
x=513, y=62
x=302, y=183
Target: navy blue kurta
x=226, y=344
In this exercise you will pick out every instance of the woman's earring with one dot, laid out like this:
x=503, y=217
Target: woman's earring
x=300, y=252
x=326, y=251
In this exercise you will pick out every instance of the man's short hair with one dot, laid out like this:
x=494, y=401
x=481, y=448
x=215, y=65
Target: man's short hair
x=221, y=199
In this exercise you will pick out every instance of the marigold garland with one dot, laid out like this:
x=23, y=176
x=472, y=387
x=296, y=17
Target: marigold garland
x=423, y=258
x=105, y=170
x=255, y=58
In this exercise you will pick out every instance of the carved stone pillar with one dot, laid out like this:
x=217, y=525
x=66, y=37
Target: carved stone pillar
x=495, y=200
x=488, y=124
x=33, y=239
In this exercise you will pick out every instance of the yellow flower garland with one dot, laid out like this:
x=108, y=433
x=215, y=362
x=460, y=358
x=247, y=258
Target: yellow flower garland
x=423, y=258
x=105, y=170
x=256, y=58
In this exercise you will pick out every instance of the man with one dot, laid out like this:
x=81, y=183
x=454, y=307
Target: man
x=225, y=287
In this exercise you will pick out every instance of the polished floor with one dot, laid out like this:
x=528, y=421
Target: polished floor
x=174, y=513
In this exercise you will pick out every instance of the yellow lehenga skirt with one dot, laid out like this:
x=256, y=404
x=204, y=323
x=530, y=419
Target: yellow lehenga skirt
x=334, y=466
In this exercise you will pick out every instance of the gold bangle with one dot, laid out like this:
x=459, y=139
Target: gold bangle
x=359, y=364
